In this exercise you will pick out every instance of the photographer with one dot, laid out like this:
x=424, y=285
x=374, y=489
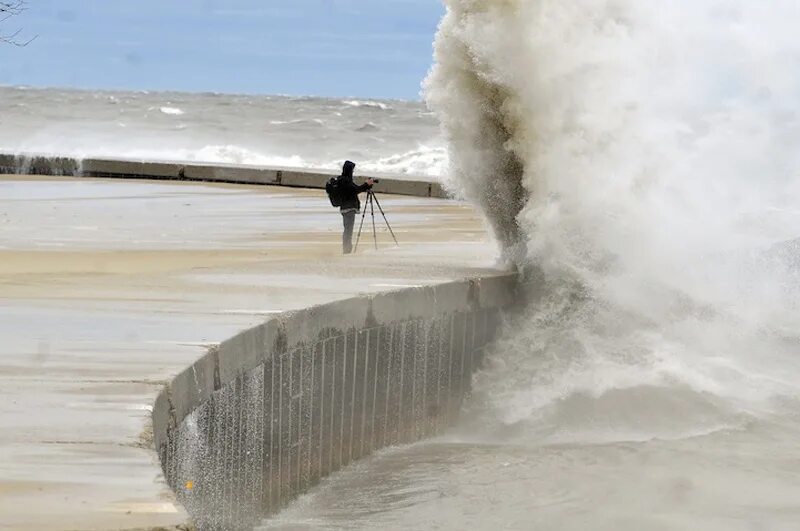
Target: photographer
x=350, y=204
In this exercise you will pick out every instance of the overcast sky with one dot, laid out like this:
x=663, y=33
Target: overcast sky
x=363, y=48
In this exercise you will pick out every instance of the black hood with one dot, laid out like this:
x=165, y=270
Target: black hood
x=347, y=169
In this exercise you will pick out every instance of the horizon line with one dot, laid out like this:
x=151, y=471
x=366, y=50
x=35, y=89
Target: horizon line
x=420, y=99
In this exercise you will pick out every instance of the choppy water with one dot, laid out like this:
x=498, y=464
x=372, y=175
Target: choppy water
x=382, y=136
x=724, y=482
x=640, y=160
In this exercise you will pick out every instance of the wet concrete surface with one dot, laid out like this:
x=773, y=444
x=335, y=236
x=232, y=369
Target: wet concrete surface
x=109, y=288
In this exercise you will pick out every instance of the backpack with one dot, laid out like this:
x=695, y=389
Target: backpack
x=334, y=189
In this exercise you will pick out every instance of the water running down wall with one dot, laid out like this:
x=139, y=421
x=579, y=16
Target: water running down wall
x=273, y=410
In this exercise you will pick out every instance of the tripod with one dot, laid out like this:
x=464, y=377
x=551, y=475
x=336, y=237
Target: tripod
x=371, y=201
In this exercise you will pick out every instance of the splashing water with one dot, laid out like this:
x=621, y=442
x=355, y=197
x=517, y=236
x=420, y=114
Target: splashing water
x=638, y=161
x=643, y=158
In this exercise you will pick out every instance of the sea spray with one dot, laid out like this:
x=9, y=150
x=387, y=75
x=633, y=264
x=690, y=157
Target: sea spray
x=644, y=158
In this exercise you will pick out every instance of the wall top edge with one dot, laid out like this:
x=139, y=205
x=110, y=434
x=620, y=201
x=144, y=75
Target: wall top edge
x=13, y=158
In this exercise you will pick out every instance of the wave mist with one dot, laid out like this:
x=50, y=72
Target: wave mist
x=644, y=157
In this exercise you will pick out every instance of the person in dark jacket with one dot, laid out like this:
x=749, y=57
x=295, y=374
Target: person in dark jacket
x=350, y=205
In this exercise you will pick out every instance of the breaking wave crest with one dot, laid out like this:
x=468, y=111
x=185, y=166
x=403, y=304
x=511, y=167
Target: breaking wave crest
x=639, y=163
x=425, y=160
x=173, y=111
x=368, y=104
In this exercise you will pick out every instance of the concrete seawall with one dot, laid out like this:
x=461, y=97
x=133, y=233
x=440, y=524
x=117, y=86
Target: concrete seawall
x=112, y=288
x=270, y=412
x=222, y=173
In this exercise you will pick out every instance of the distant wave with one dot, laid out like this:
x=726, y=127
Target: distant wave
x=425, y=160
x=368, y=128
x=226, y=154
x=313, y=121
x=171, y=111
x=369, y=104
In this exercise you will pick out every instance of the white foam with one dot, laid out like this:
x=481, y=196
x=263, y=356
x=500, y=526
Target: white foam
x=173, y=111
x=426, y=160
x=367, y=103
x=230, y=154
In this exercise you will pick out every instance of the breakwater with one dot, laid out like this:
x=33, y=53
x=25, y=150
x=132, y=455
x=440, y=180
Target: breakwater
x=267, y=414
x=221, y=173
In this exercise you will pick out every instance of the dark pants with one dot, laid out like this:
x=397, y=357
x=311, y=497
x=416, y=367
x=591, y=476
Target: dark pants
x=349, y=219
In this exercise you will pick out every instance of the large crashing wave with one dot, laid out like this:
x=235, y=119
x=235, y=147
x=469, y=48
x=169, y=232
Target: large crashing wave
x=475, y=107
x=645, y=157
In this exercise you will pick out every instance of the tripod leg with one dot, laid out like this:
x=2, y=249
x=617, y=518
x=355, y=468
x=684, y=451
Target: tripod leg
x=361, y=226
x=372, y=209
x=387, y=221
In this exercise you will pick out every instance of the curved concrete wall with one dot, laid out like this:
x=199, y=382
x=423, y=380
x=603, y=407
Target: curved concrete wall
x=268, y=413
x=224, y=173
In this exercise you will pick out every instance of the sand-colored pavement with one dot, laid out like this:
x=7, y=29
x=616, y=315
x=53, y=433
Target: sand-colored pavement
x=109, y=288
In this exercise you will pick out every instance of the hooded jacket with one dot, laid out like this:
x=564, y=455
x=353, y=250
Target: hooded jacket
x=349, y=189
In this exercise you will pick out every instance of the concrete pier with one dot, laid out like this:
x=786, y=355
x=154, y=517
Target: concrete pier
x=111, y=289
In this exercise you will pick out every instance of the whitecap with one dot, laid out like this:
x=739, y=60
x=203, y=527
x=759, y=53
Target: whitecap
x=228, y=154
x=314, y=121
x=174, y=111
x=430, y=161
x=368, y=104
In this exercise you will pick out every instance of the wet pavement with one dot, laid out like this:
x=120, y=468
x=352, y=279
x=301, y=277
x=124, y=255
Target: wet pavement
x=109, y=288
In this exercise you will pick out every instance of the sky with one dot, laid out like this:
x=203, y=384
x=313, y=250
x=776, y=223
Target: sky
x=337, y=48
